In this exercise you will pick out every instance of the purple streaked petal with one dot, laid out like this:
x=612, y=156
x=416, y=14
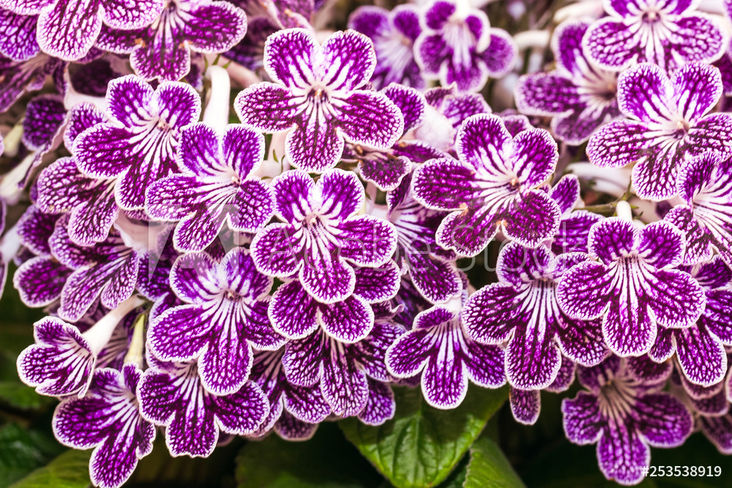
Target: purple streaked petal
x=44, y=116
x=348, y=321
x=34, y=227
x=380, y=406
x=525, y=405
x=40, y=280
x=584, y=291
x=582, y=421
x=411, y=104
x=347, y=60
x=701, y=356
x=697, y=88
x=501, y=54
x=482, y=141
x=618, y=144
x=574, y=232
x=293, y=312
x=628, y=331
x=267, y=107
x=566, y=192
x=193, y=278
x=665, y=421
x=119, y=14
x=18, y=36
x=301, y=361
x=369, y=118
x=344, y=386
x=378, y=284
x=680, y=300
x=532, y=365
x=612, y=239
x=367, y=240
x=273, y=250
x=180, y=334
x=69, y=28
x=288, y=57
x=622, y=454
x=532, y=220
x=314, y=146
x=646, y=94
x=485, y=365
x=214, y=27
x=661, y=244
x=60, y=363
x=487, y=312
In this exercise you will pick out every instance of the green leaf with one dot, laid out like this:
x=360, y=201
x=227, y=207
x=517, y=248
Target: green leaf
x=325, y=461
x=18, y=395
x=22, y=450
x=422, y=445
x=69, y=470
x=489, y=468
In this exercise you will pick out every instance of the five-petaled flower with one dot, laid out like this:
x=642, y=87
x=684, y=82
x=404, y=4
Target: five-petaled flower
x=522, y=309
x=163, y=48
x=460, y=47
x=669, y=34
x=223, y=316
x=632, y=285
x=107, y=418
x=668, y=122
x=322, y=237
x=438, y=348
x=578, y=95
x=217, y=185
x=139, y=144
x=319, y=96
x=623, y=411
x=493, y=186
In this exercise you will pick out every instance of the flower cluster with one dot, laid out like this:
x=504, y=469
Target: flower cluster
x=209, y=273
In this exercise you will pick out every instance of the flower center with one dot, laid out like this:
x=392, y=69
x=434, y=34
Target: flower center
x=651, y=16
x=616, y=398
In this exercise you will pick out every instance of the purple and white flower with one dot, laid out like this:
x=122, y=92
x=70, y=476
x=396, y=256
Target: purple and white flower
x=319, y=97
x=522, y=309
x=163, y=48
x=217, y=186
x=107, y=418
x=439, y=349
x=138, y=145
x=322, y=238
x=62, y=360
x=668, y=122
x=668, y=34
x=393, y=34
x=67, y=29
x=579, y=96
x=492, y=186
x=345, y=372
x=460, y=47
x=623, y=412
x=172, y=395
x=223, y=316
x=632, y=285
